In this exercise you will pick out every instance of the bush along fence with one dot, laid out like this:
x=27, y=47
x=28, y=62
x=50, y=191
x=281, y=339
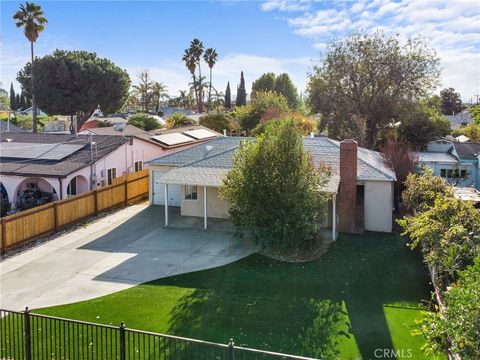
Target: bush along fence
x=26, y=226
x=25, y=335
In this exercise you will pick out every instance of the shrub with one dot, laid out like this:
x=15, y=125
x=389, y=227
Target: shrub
x=217, y=122
x=273, y=190
x=144, y=122
x=178, y=119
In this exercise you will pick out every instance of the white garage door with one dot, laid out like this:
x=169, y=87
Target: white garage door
x=158, y=196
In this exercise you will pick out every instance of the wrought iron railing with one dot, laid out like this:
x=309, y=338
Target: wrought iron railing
x=25, y=335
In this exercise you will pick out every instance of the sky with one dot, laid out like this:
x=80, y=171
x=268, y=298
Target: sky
x=254, y=36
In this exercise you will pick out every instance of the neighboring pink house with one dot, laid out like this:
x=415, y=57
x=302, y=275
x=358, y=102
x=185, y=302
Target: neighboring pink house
x=65, y=165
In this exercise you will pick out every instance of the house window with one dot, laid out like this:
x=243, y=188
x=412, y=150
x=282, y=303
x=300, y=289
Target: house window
x=443, y=173
x=111, y=174
x=72, y=187
x=190, y=192
x=138, y=165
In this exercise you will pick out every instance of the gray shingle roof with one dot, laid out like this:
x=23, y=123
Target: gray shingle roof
x=59, y=168
x=214, y=158
x=12, y=127
x=467, y=150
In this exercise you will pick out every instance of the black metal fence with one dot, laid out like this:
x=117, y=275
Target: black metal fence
x=25, y=335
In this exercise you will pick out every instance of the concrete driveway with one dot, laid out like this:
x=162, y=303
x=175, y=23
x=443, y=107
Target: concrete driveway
x=119, y=251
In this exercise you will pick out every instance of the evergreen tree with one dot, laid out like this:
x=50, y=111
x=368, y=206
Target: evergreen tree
x=13, y=103
x=241, y=92
x=17, y=102
x=23, y=101
x=228, y=97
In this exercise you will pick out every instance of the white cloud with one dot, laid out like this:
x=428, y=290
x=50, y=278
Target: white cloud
x=451, y=26
x=286, y=5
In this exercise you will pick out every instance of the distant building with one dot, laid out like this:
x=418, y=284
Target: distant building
x=461, y=119
x=9, y=127
x=457, y=162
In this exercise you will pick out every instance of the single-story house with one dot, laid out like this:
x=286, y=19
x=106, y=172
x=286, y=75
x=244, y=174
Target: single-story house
x=457, y=162
x=360, y=188
x=461, y=119
x=65, y=165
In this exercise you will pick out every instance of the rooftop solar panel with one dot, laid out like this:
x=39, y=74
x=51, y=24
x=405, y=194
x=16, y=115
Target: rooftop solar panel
x=37, y=151
x=172, y=139
x=199, y=134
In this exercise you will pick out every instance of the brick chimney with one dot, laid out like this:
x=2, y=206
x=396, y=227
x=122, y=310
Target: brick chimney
x=347, y=194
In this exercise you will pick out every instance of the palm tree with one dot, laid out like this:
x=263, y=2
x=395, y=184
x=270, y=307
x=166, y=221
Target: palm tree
x=210, y=58
x=31, y=18
x=143, y=89
x=196, y=49
x=159, y=92
x=191, y=64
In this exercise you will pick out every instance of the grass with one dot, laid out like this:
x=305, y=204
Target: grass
x=364, y=294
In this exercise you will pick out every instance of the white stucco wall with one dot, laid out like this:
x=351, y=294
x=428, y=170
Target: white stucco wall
x=378, y=206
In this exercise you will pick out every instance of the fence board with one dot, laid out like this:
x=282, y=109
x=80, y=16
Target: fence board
x=26, y=226
x=72, y=209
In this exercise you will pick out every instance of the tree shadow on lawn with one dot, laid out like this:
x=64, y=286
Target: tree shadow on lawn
x=329, y=308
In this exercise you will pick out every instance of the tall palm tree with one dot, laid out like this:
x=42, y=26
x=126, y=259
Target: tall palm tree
x=31, y=17
x=159, y=92
x=191, y=64
x=143, y=89
x=210, y=58
x=196, y=49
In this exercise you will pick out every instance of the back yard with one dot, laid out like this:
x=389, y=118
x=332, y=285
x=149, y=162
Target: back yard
x=363, y=294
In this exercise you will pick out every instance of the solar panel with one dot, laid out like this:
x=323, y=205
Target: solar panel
x=200, y=134
x=38, y=151
x=172, y=139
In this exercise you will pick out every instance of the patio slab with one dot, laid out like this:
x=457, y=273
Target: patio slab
x=114, y=253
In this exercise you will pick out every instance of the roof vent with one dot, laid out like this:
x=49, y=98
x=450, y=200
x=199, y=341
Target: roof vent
x=209, y=147
x=9, y=140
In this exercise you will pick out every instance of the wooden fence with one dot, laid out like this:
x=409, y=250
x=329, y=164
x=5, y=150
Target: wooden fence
x=21, y=228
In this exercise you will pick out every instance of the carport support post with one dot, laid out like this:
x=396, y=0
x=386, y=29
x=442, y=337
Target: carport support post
x=334, y=217
x=166, y=204
x=205, y=207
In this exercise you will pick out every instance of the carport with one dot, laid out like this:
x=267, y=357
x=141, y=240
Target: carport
x=203, y=199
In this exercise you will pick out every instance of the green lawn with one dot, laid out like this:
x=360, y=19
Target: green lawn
x=363, y=294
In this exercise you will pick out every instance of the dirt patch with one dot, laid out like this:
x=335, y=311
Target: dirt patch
x=300, y=255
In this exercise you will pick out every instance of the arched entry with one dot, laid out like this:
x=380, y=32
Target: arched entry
x=5, y=202
x=77, y=185
x=32, y=192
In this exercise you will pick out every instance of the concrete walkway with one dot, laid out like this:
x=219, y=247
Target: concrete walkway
x=119, y=251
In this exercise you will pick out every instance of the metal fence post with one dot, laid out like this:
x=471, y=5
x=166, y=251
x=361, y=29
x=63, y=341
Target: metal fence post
x=231, y=350
x=27, y=338
x=122, y=341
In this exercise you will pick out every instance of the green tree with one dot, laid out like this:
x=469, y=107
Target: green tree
x=273, y=190
x=475, y=112
x=228, y=97
x=158, y=92
x=143, y=89
x=457, y=329
x=210, y=58
x=18, y=102
x=178, y=119
x=76, y=83
x=369, y=78
x=284, y=86
x=144, y=122
x=31, y=18
x=422, y=189
x=196, y=51
x=422, y=124
x=23, y=101
x=249, y=116
x=4, y=99
x=241, y=99
x=472, y=131
x=451, y=101
x=217, y=122
x=13, y=103
x=449, y=235
x=264, y=83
